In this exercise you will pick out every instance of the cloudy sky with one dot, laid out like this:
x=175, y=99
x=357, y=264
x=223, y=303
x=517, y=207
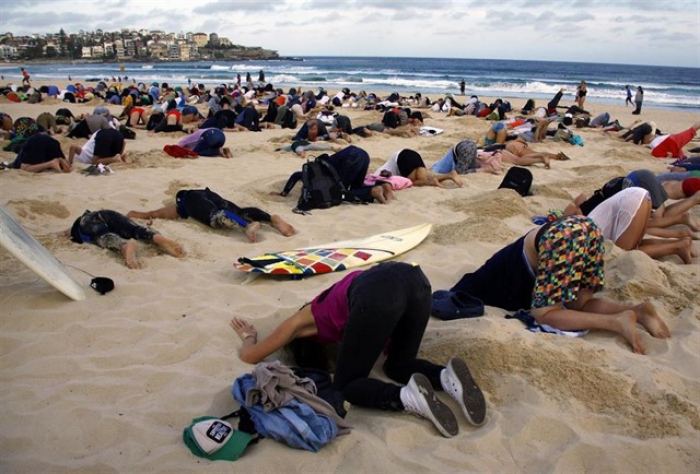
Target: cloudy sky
x=657, y=32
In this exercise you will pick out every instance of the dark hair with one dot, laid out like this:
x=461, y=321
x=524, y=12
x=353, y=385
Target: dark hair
x=306, y=352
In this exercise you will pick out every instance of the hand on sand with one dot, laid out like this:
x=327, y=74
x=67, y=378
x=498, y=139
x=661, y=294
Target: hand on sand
x=244, y=329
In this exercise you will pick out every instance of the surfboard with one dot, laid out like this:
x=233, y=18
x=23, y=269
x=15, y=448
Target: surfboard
x=336, y=256
x=25, y=248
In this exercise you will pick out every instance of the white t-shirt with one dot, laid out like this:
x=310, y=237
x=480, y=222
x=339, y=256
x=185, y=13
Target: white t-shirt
x=391, y=165
x=614, y=215
x=88, y=150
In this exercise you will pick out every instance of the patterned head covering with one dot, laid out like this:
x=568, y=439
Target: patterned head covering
x=465, y=156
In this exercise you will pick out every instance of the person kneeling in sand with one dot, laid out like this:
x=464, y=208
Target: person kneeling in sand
x=211, y=209
x=112, y=230
x=348, y=313
x=409, y=164
x=42, y=152
x=554, y=271
x=206, y=142
x=103, y=148
x=351, y=164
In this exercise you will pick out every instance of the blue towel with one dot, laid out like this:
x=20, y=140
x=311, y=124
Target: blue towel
x=533, y=326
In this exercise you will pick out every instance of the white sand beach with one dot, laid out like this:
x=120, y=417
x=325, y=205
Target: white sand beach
x=109, y=383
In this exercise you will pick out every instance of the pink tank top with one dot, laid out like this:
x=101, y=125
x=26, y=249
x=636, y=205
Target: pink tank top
x=331, y=311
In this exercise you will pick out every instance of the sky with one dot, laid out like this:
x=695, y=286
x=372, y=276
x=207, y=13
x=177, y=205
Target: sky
x=653, y=32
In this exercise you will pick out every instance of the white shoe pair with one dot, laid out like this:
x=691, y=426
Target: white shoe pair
x=418, y=397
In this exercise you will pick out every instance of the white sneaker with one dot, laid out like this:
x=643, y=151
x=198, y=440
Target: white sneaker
x=418, y=397
x=457, y=381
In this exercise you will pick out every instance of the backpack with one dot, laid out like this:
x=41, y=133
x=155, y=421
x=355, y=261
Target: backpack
x=289, y=120
x=127, y=133
x=519, y=179
x=321, y=186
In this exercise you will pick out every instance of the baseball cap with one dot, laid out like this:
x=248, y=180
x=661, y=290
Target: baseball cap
x=215, y=439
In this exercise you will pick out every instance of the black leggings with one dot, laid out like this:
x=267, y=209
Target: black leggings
x=390, y=302
x=109, y=229
x=200, y=204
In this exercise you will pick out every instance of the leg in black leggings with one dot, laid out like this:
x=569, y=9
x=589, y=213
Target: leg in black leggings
x=388, y=302
x=201, y=204
x=109, y=229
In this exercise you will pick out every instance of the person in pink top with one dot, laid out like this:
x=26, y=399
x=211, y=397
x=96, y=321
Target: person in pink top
x=384, y=308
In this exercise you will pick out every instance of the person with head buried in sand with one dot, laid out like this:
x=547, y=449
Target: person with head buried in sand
x=554, y=271
x=409, y=164
x=214, y=211
x=111, y=230
x=381, y=310
x=104, y=147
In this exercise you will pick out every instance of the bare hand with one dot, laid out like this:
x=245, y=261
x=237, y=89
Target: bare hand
x=243, y=328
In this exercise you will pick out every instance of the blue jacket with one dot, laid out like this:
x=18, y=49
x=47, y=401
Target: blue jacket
x=295, y=424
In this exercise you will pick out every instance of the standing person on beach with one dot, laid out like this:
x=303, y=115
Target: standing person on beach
x=462, y=87
x=581, y=94
x=383, y=309
x=638, y=99
x=25, y=77
x=628, y=101
x=261, y=76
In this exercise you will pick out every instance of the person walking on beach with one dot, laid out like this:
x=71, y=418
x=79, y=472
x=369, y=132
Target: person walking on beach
x=261, y=76
x=628, y=101
x=25, y=77
x=462, y=87
x=383, y=309
x=638, y=99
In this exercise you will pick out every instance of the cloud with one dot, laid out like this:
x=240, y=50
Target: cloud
x=634, y=19
x=226, y=6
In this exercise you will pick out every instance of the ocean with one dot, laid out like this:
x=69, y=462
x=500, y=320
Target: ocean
x=666, y=87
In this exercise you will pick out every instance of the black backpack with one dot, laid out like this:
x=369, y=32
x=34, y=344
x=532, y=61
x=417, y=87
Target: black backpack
x=289, y=120
x=518, y=179
x=321, y=186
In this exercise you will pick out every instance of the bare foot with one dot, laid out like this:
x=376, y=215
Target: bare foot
x=302, y=154
x=562, y=156
x=545, y=160
x=65, y=166
x=651, y=321
x=251, y=231
x=685, y=250
x=170, y=246
x=457, y=180
x=281, y=225
x=130, y=252
x=226, y=152
x=388, y=191
x=378, y=194
x=628, y=330
x=690, y=222
x=125, y=157
x=55, y=165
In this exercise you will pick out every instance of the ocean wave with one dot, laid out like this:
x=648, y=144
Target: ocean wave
x=147, y=66
x=217, y=67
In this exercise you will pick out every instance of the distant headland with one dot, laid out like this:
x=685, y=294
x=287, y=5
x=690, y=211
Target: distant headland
x=128, y=45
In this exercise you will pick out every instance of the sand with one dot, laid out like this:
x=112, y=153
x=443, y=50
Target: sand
x=108, y=384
